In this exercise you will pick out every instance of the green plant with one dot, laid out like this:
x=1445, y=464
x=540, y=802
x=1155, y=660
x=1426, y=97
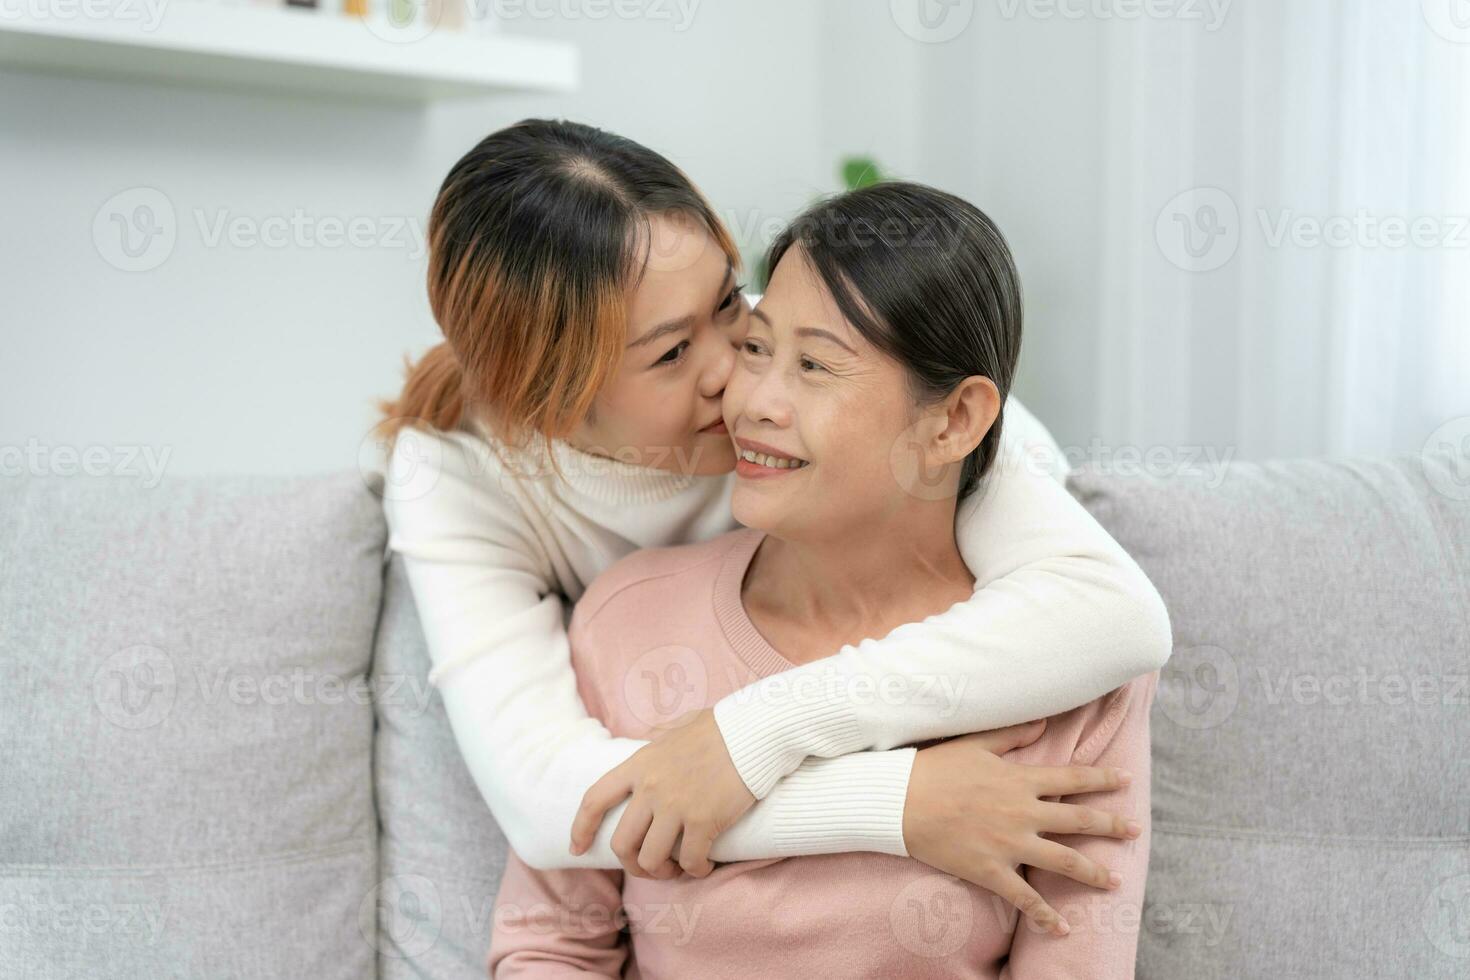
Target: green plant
x=856, y=172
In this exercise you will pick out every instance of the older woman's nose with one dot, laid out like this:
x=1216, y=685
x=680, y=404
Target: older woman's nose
x=767, y=399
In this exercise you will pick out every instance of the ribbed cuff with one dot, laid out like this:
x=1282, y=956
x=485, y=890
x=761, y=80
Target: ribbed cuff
x=852, y=803
x=769, y=731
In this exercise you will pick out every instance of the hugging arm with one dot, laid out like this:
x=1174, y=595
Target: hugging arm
x=497, y=637
x=1060, y=616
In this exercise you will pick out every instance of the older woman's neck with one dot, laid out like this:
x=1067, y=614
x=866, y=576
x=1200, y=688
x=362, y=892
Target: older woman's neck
x=862, y=583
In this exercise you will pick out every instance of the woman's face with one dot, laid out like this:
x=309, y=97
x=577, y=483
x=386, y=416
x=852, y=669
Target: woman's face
x=807, y=385
x=685, y=318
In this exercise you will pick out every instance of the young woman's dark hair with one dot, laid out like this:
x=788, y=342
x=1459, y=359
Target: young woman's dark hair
x=928, y=279
x=535, y=238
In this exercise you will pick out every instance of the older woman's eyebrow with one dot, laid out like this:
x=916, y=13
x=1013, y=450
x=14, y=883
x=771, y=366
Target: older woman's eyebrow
x=807, y=331
x=826, y=334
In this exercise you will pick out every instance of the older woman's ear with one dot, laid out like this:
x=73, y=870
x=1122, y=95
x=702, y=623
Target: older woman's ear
x=971, y=410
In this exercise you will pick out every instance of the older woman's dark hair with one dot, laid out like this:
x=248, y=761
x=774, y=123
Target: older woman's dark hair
x=928, y=279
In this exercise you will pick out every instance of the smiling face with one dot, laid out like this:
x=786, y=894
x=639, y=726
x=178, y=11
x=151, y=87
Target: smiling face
x=810, y=387
x=685, y=317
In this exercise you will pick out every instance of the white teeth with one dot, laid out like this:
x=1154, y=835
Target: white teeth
x=775, y=462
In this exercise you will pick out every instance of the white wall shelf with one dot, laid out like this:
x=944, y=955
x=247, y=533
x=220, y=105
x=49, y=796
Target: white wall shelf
x=280, y=49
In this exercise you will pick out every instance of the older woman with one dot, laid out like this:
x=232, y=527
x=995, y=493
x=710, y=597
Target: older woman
x=864, y=408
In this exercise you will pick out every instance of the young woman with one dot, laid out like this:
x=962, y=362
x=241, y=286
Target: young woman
x=837, y=365
x=588, y=298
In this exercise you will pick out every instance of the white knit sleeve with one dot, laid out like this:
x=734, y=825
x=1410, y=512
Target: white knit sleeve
x=496, y=634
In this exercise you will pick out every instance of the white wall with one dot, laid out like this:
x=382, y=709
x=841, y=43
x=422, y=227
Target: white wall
x=266, y=359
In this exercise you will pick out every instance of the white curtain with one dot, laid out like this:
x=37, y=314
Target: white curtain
x=1246, y=231
x=1287, y=242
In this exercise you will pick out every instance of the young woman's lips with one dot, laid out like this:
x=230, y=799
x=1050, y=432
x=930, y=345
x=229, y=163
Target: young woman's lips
x=717, y=427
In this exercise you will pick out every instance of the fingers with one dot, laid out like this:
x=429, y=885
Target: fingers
x=601, y=797
x=1051, y=856
x=1013, y=888
x=1072, y=818
x=694, y=852
x=1070, y=780
x=627, y=839
x=658, y=845
x=1002, y=740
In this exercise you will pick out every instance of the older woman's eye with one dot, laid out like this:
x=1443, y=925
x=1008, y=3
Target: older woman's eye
x=750, y=347
x=814, y=364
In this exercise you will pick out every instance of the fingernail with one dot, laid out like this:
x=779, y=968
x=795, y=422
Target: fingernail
x=1124, y=777
x=1115, y=879
x=1062, y=927
x=1134, y=828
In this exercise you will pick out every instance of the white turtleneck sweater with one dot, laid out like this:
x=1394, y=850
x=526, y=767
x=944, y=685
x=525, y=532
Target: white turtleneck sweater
x=494, y=543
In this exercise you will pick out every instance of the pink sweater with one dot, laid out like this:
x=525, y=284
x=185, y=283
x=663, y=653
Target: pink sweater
x=664, y=631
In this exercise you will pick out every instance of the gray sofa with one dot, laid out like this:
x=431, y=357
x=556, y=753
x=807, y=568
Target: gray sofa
x=222, y=758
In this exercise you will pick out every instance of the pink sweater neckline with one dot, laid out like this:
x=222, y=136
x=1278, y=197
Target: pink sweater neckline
x=740, y=631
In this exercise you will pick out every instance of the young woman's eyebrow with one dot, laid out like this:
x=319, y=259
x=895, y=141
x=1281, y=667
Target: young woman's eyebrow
x=667, y=327
x=683, y=322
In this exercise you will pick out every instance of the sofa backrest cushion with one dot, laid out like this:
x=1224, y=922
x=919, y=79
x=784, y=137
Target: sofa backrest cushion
x=442, y=853
x=1311, y=733
x=187, y=727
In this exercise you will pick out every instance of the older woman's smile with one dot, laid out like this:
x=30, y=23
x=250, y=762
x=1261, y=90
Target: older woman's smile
x=756, y=459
